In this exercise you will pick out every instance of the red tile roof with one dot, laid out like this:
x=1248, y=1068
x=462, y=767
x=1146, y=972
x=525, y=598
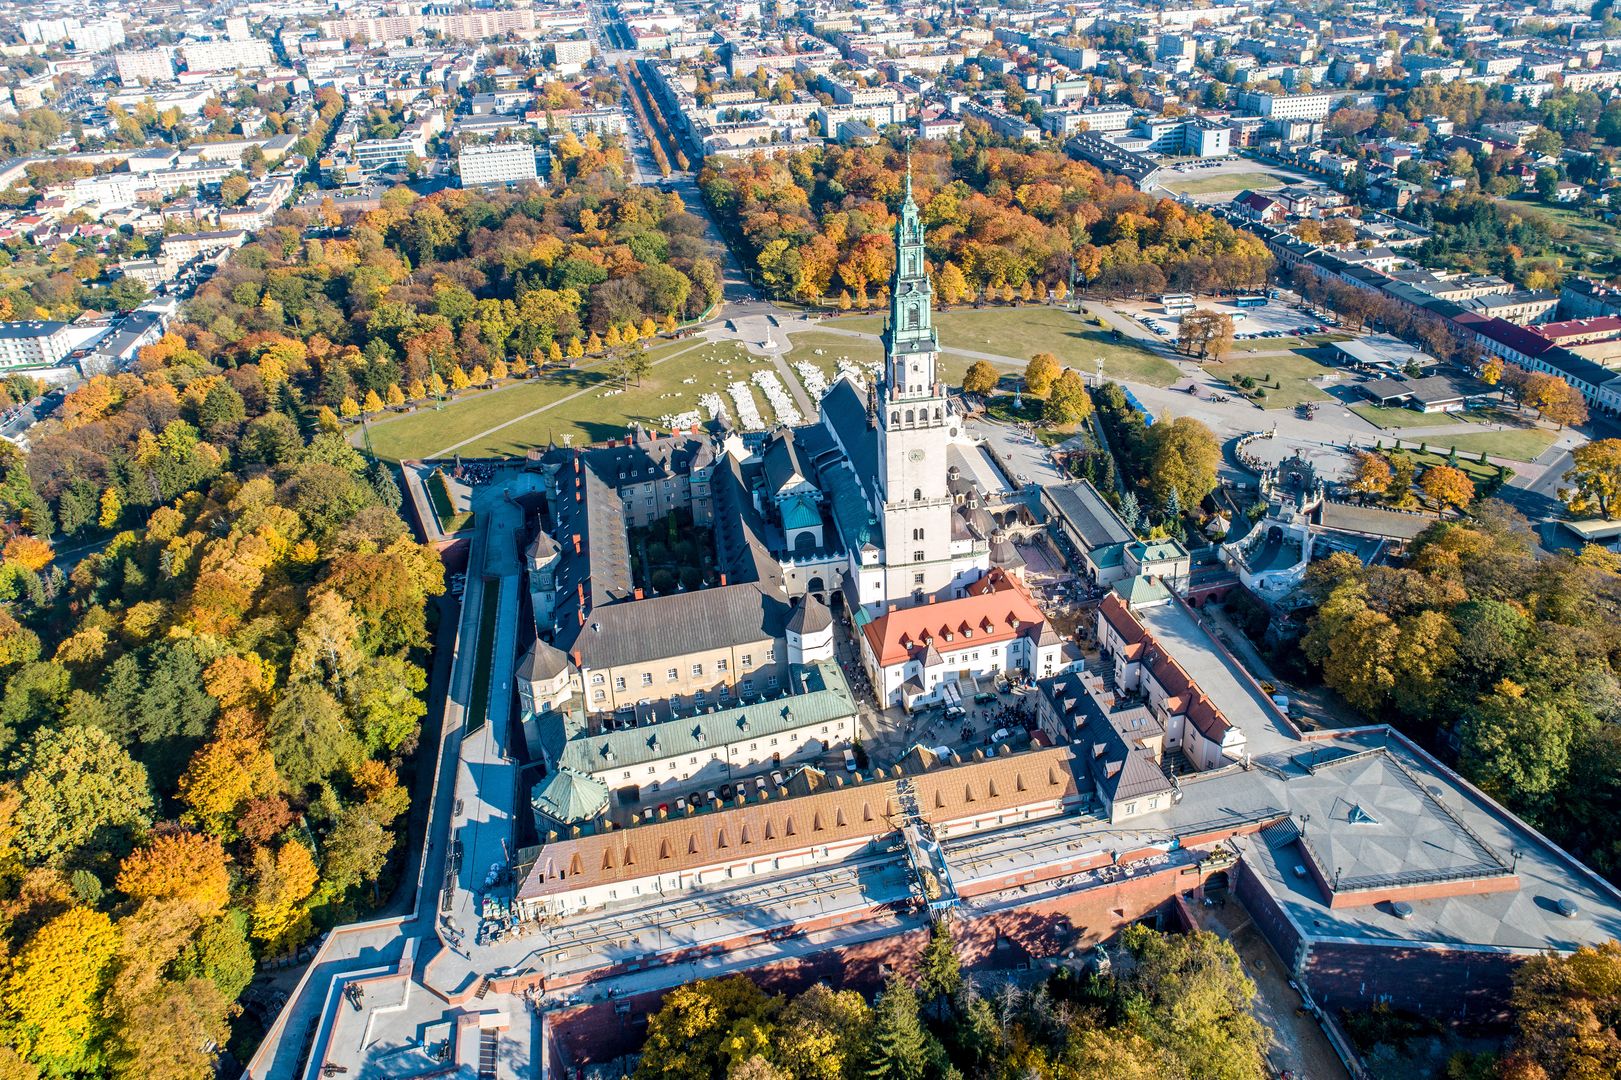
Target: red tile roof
x=996, y=609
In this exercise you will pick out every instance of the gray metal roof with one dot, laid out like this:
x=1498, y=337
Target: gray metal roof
x=825, y=697
x=675, y=624
x=1084, y=510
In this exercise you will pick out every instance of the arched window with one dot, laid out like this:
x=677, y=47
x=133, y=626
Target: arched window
x=895, y=417
x=913, y=319
x=917, y=494
x=908, y=416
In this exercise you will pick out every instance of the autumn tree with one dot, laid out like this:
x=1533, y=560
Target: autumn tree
x=282, y=880
x=50, y=1010
x=1206, y=334
x=980, y=378
x=1371, y=474
x=1446, y=487
x=1594, y=477
x=1040, y=373
x=1183, y=458
x=1067, y=401
x=1565, y=1009
x=1199, y=1000
x=177, y=865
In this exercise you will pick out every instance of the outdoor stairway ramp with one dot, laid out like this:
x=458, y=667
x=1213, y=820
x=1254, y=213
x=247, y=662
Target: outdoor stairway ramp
x=930, y=876
x=489, y=1042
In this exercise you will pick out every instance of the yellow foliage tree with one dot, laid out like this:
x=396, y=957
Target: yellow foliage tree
x=554, y=353
x=348, y=409
x=239, y=681
x=53, y=992
x=112, y=508
x=222, y=777
x=436, y=385
x=28, y=552
x=669, y=324
x=612, y=338
x=326, y=419
x=478, y=376
x=371, y=403
x=458, y=379
x=177, y=865
x=394, y=397
x=415, y=390
x=647, y=328
x=281, y=884
x=498, y=370
x=593, y=344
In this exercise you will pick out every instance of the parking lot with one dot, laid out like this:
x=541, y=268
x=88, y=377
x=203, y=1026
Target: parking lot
x=1275, y=319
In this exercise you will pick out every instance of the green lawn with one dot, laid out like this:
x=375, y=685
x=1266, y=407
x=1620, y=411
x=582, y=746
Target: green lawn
x=1266, y=345
x=1235, y=181
x=1382, y=416
x=1520, y=444
x=1018, y=333
x=1286, y=377
x=451, y=521
x=587, y=418
x=1477, y=472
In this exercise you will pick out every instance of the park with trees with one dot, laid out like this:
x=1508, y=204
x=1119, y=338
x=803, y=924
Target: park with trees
x=1003, y=224
x=206, y=713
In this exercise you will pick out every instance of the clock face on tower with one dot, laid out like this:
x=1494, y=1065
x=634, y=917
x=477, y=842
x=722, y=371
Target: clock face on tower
x=916, y=455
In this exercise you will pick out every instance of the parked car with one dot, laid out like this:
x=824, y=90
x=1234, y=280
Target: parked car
x=849, y=760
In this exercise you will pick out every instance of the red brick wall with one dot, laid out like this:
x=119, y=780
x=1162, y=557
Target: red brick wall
x=1431, y=891
x=999, y=940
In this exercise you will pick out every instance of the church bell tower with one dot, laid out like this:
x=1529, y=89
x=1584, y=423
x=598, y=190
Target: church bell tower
x=914, y=418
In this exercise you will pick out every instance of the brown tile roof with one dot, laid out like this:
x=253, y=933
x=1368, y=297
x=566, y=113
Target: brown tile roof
x=830, y=817
x=1119, y=617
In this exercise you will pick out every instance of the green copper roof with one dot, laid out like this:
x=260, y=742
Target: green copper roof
x=799, y=512
x=568, y=797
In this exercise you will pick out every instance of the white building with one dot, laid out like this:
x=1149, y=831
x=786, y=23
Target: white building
x=226, y=55
x=144, y=66
x=916, y=656
x=1288, y=106
x=34, y=344
x=497, y=163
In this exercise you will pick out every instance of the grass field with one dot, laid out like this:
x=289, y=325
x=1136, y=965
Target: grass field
x=569, y=405
x=451, y=521
x=1520, y=444
x=1286, y=377
x=1020, y=332
x=1233, y=181
x=1266, y=345
x=1382, y=416
x=1479, y=473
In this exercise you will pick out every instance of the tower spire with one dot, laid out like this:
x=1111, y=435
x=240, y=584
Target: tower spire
x=908, y=168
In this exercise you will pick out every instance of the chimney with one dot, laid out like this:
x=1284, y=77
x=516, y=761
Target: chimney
x=576, y=656
x=932, y=599
x=637, y=594
x=723, y=579
x=891, y=609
